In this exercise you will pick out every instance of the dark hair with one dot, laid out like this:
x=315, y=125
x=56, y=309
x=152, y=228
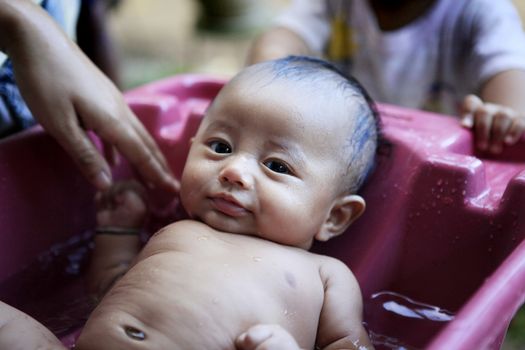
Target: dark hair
x=363, y=139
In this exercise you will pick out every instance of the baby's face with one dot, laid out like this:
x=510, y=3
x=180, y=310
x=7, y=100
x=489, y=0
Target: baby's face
x=266, y=161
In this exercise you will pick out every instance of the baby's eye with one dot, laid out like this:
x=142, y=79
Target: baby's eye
x=277, y=166
x=220, y=147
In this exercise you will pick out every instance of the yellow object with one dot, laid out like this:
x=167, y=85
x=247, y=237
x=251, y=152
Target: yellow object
x=341, y=45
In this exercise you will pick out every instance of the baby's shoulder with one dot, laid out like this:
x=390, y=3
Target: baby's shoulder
x=186, y=226
x=334, y=269
x=180, y=234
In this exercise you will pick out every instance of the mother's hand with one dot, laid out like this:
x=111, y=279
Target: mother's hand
x=69, y=96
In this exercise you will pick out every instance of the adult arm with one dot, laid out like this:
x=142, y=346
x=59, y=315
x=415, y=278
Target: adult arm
x=68, y=96
x=275, y=43
x=498, y=71
x=498, y=115
x=121, y=214
x=302, y=28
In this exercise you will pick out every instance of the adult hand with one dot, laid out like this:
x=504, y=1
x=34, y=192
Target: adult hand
x=69, y=96
x=494, y=125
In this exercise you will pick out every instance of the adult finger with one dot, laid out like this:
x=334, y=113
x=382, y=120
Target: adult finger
x=482, y=126
x=142, y=158
x=149, y=142
x=470, y=104
x=77, y=144
x=515, y=131
x=501, y=123
x=110, y=153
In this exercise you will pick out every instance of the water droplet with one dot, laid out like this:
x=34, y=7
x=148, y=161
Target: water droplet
x=134, y=333
x=256, y=258
x=464, y=192
x=203, y=238
x=439, y=182
x=453, y=190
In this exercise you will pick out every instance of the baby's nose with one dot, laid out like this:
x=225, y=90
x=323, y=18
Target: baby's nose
x=238, y=172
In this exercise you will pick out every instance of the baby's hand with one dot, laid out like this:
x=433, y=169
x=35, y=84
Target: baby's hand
x=121, y=206
x=494, y=125
x=266, y=337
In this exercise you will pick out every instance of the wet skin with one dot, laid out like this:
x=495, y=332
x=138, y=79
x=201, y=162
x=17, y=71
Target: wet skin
x=177, y=279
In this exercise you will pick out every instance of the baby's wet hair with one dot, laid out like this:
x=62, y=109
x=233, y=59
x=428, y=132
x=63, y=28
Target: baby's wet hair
x=362, y=143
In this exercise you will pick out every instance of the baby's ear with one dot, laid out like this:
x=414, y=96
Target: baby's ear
x=345, y=210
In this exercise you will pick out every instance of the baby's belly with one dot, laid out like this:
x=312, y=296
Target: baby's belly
x=165, y=302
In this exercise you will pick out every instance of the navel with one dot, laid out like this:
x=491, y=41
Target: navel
x=134, y=333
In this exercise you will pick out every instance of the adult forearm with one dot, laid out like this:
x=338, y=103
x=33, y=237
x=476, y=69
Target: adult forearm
x=275, y=43
x=14, y=19
x=506, y=89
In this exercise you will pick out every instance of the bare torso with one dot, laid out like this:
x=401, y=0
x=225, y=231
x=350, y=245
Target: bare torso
x=196, y=288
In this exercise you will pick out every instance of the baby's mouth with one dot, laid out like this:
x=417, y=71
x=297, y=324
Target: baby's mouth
x=228, y=206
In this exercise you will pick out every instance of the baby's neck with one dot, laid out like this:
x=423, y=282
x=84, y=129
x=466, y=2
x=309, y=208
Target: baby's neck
x=394, y=14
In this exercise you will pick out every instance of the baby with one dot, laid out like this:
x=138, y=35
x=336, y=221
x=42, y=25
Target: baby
x=275, y=165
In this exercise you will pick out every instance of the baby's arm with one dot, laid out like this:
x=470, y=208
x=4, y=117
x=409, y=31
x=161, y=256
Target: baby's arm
x=18, y=331
x=341, y=323
x=121, y=212
x=275, y=43
x=498, y=117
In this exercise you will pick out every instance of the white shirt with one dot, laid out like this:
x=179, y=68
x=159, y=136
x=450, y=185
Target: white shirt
x=432, y=62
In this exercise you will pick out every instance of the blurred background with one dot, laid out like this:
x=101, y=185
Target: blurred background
x=148, y=40
x=157, y=38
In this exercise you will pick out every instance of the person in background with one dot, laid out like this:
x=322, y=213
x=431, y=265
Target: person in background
x=48, y=78
x=94, y=38
x=464, y=58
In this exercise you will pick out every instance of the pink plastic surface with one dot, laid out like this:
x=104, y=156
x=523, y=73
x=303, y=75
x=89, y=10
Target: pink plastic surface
x=443, y=226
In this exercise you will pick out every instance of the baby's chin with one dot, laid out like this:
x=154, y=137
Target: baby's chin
x=222, y=223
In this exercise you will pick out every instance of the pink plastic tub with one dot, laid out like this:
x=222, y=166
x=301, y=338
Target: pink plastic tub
x=439, y=252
